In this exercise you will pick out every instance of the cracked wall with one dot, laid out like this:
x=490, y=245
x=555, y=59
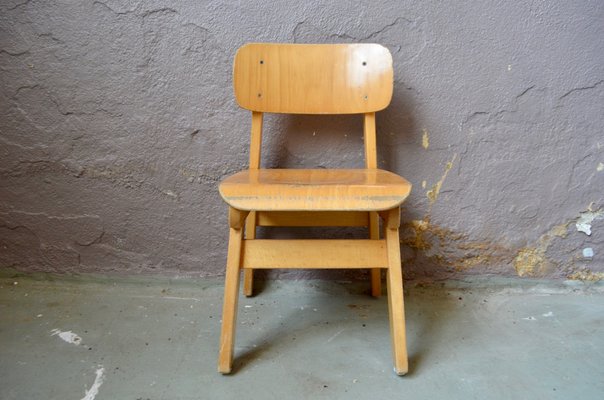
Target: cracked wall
x=118, y=122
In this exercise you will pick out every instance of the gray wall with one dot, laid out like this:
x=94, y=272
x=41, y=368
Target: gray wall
x=118, y=122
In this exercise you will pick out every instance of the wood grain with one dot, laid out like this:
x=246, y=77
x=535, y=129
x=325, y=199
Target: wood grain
x=313, y=79
x=314, y=253
x=314, y=190
x=370, y=140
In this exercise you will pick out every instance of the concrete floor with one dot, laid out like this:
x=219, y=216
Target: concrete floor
x=127, y=339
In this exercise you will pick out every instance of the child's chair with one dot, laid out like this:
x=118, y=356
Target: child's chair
x=314, y=79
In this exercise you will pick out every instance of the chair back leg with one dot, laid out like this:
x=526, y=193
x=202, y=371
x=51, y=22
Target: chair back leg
x=376, y=273
x=248, y=274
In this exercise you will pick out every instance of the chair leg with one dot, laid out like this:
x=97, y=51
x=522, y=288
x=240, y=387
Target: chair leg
x=396, y=304
x=231, y=295
x=248, y=282
x=376, y=273
x=248, y=274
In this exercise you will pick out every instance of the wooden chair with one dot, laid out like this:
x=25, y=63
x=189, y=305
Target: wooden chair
x=314, y=79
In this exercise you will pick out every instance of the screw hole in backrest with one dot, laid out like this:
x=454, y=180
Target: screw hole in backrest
x=364, y=63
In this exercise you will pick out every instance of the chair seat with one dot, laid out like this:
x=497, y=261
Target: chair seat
x=314, y=190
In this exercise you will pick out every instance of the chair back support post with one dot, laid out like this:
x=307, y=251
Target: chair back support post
x=256, y=140
x=370, y=140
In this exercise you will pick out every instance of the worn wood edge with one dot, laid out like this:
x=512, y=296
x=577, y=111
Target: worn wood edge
x=237, y=217
x=392, y=218
x=241, y=204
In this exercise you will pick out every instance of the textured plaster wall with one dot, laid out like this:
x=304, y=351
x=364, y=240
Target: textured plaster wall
x=118, y=121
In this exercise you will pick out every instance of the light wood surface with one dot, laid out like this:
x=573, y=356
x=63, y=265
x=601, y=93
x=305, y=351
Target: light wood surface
x=370, y=141
x=313, y=79
x=237, y=218
x=376, y=273
x=256, y=140
x=394, y=283
x=231, y=293
x=250, y=233
x=314, y=189
x=250, y=227
x=314, y=253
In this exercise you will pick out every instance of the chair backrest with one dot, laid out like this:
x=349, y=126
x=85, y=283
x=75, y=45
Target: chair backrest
x=313, y=78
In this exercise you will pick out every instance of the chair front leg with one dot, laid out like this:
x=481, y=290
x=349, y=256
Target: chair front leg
x=396, y=305
x=231, y=290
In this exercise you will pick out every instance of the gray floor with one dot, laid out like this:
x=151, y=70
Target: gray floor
x=481, y=339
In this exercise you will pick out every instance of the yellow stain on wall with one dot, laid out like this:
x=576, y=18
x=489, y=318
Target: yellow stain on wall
x=531, y=261
x=586, y=275
x=457, y=252
x=432, y=194
x=425, y=139
x=559, y=230
x=418, y=241
x=461, y=252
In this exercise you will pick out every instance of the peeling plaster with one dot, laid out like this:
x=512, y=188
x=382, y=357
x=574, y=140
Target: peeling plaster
x=586, y=218
x=588, y=252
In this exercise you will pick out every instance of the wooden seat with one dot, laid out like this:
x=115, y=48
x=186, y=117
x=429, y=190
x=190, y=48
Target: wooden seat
x=314, y=79
x=314, y=190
